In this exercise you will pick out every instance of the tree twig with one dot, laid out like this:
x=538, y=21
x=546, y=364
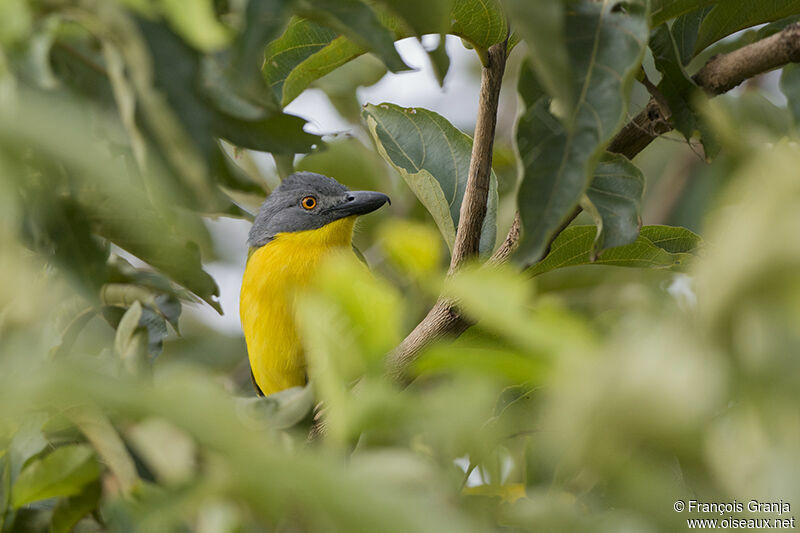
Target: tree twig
x=444, y=317
x=473, y=206
x=720, y=74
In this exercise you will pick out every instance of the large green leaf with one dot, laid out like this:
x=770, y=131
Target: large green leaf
x=616, y=193
x=663, y=247
x=433, y=158
x=559, y=156
x=65, y=472
x=541, y=23
x=194, y=20
x=734, y=15
x=68, y=511
x=790, y=85
x=676, y=86
x=358, y=22
x=422, y=16
x=307, y=51
x=165, y=236
x=663, y=10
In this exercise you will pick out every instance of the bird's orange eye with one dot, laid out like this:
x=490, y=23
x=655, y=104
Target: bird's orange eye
x=309, y=202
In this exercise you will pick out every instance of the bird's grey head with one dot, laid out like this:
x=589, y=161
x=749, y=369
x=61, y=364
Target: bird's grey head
x=306, y=201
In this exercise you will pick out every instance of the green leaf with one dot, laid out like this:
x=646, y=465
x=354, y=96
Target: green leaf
x=64, y=472
x=790, y=85
x=734, y=15
x=684, y=31
x=355, y=20
x=676, y=86
x=280, y=134
x=541, y=24
x=433, y=158
x=616, y=192
x=480, y=22
x=163, y=235
x=307, y=51
x=664, y=247
x=282, y=409
x=68, y=511
x=194, y=20
x=422, y=16
x=663, y=10
x=131, y=340
x=109, y=446
x=559, y=157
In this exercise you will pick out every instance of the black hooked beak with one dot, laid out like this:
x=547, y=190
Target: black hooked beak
x=361, y=203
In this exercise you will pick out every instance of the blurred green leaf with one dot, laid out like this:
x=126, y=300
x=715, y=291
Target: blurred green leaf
x=15, y=21
x=109, y=446
x=131, y=340
x=282, y=409
x=616, y=192
x=167, y=450
x=280, y=134
x=663, y=10
x=412, y=247
x=542, y=25
x=559, y=156
x=194, y=20
x=307, y=51
x=656, y=247
x=433, y=158
x=734, y=15
x=68, y=511
x=340, y=85
x=422, y=16
x=348, y=161
x=64, y=472
x=358, y=22
x=790, y=86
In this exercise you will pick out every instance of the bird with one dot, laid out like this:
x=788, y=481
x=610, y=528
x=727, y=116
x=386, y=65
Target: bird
x=304, y=219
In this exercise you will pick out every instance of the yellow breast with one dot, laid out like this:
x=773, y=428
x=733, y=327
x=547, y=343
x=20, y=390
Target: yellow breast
x=274, y=274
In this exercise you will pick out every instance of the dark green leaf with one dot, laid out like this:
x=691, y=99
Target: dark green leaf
x=284, y=69
x=663, y=10
x=307, y=51
x=790, y=85
x=131, y=340
x=280, y=134
x=422, y=16
x=675, y=86
x=616, y=192
x=541, y=24
x=109, y=446
x=558, y=157
x=340, y=85
x=684, y=31
x=68, y=511
x=663, y=247
x=734, y=15
x=433, y=158
x=357, y=21
x=64, y=472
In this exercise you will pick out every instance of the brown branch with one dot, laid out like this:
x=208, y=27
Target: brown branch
x=473, y=206
x=444, y=317
x=720, y=74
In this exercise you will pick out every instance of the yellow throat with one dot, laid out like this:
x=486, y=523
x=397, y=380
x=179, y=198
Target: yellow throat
x=274, y=274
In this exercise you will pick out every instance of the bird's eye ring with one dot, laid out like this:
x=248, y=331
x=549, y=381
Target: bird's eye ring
x=309, y=202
